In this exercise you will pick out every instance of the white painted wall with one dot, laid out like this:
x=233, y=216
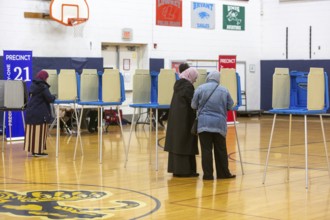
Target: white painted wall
x=298, y=16
x=109, y=17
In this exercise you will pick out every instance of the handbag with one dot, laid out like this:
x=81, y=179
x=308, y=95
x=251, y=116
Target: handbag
x=195, y=124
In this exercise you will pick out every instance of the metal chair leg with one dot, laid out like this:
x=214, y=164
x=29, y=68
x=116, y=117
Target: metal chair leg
x=238, y=146
x=121, y=128
x=325, y=144
x=289, y=148
x=129, y=139
x=269, y=146
x=306, y=151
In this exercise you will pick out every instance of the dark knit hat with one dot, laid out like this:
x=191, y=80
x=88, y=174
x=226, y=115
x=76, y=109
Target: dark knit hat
x=43, y=75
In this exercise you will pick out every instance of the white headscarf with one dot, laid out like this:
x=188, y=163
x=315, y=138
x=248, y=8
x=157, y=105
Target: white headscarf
x=189, y=74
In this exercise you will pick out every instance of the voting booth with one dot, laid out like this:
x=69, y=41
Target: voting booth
x=152, y=90
x=202, y=74
x=299, y=93
x=98, y=90
x=231, y=80
x=13, y=97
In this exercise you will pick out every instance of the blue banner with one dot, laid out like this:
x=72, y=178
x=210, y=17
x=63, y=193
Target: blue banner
x=17, y=66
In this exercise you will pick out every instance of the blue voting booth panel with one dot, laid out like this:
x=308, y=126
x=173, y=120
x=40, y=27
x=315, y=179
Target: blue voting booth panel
x=298, y=95
x=298, y=89
x=154, y=87
x=239, y=93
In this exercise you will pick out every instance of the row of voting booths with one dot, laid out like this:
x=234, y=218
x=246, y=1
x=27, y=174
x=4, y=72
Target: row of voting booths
x=90, y=89
x=299, y=93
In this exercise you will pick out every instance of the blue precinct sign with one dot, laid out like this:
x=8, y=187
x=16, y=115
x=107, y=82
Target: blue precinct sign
x=17, y=66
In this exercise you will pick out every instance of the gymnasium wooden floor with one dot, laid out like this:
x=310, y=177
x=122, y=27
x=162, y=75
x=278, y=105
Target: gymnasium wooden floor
x=60, y=188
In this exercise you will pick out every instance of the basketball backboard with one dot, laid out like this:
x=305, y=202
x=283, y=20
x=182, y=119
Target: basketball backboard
x=69, y=12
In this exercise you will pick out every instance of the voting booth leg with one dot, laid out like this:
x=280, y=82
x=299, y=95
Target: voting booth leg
x=121, y=129
x=289, y=148
x=130, y=135
x=238, y=146
x=150, y=130
x=3, y=130
x=52, y=125
x=325, y=144
x=156, y=145
x=100, y=132
x=23, y=120
x=269, y=146
x=306, y=151
x=10, y=127
x=78, y=134
x=57, y=129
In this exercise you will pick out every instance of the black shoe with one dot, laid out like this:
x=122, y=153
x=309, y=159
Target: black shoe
x=186, y=175
x=194, y=175
x=231, y=176
x=208, y=178
x=40, y=155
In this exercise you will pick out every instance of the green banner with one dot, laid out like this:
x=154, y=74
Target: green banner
x=233, y=17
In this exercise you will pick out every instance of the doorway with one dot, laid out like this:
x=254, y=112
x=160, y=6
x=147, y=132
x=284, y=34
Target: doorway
x=126, y=58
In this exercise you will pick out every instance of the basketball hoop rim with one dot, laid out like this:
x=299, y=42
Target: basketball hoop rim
x=76, y=21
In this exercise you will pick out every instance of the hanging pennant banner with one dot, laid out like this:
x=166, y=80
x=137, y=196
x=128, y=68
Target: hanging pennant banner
x=17, y=66
x=233, y=17
x=169, y=13
x=202, y=15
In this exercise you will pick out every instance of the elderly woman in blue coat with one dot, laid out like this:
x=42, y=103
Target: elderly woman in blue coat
x=212, y=125
x=38, y=115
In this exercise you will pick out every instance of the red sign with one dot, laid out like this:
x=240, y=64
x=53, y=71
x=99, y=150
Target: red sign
x=228, y=61
x=175, y=66
x=169, y=13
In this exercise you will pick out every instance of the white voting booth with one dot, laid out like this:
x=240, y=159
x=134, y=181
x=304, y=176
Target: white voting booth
x=13, y=97
x=156, y=93
x=202, y=74
x=93, y=94
x=231, y=80
x=299, y=93
x=64, y=85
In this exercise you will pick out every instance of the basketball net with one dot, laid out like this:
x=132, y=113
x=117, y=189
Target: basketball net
x=78, y=25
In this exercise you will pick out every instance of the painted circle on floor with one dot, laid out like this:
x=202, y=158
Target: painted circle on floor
x=70, y=201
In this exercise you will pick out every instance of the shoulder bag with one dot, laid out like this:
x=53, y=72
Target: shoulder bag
x=195, y=124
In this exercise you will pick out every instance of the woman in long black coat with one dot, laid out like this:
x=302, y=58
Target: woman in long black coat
x=181, y=145
x=38, y=115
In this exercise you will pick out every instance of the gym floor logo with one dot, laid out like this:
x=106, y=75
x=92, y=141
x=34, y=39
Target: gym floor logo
x=62, y=204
